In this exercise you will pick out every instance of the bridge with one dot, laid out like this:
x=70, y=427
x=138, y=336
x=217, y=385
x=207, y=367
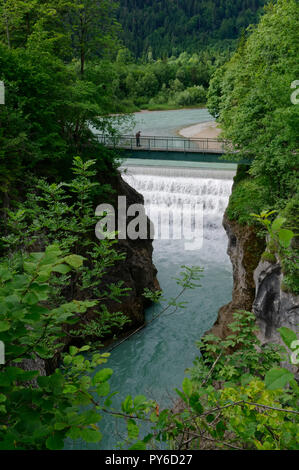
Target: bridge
x=170, y=148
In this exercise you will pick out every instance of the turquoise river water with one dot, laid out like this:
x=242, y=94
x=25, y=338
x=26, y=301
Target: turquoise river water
x=167, y=123
x=153, y=361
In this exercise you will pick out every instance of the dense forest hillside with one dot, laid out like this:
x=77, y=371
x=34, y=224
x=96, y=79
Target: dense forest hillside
x=168, y=27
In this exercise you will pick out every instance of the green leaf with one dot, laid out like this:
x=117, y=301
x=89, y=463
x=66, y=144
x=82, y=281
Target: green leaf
x=195, y=403
x=44, y=275
x=29, y=267
x=139, y=400
x=2, y=398
x=53, y=249
x=31, y=298
x=103, y=389
x=84, y=348
x=210, y=418
x=62, y=269
x=220, y=429
x=36, y=257
x=4, y=326
x=67, y=360
x=285, y=237
x=91, y=435
x=73, y=350
x=102, y=376
x=277, y=378
x=75, y=261
x=5, y=274
x=60, y=426
x=287, y=335
x=74, y=433
x=70, y=389
x=133, y=429
x=187, y=386
x=41, y=291
x=277, y=224
x=127, y=404
x=140, y=445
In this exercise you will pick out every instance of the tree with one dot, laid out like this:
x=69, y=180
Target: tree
x=17, y=18
x=93, y=28
x=124, y=56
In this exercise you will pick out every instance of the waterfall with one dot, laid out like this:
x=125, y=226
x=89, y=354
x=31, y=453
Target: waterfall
x=173, y=188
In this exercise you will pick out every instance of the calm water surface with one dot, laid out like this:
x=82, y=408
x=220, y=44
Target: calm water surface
x=168, y=123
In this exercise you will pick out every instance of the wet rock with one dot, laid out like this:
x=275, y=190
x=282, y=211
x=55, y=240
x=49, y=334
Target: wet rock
x=273, y=307
x=245, y=250
x=137, y=271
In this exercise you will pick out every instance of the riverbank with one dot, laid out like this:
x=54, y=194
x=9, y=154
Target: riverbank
x=203, y=130
x=127, y=108
x=171, y=107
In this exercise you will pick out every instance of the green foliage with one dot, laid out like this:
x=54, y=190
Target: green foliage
x=64, y=214
x=279, y=237
x=237, y=397
x=40, y=411
x=290, y=262
x=251, y=96
x=269, y=257
x=160, y=29
x=247, y=196
x=170, y=83
x=28, y=322
x=37, y=411
x=50, y=107
x=280, y=244
x=290, y=266
x=74, y=28
x=244, y=357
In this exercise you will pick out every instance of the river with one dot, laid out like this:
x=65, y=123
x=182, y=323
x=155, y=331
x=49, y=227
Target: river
x=167, y=123
x=153, y=362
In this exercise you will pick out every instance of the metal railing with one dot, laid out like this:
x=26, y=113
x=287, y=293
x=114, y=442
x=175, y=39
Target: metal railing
x=167, y=144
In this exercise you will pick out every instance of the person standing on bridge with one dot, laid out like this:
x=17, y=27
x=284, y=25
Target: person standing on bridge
x=138, y=139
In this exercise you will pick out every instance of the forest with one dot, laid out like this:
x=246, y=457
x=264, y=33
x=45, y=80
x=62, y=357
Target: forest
x=162, y=84
x=67, y=66
x=169, y=27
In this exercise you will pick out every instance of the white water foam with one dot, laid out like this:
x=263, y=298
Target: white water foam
x=173, y=188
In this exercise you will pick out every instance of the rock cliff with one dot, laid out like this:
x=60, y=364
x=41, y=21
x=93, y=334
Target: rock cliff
x=137, y=271
x=273, y=306
x=257, y=287
x=245, y=250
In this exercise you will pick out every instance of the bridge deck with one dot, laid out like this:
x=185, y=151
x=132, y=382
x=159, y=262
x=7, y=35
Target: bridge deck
x=172, y=148
x=164, y=144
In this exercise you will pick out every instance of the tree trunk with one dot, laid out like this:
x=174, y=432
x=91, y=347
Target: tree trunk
x=7, y=28
x=82, y=58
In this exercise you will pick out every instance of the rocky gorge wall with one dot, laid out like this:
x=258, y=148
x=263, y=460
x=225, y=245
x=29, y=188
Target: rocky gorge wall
x=273, y=307
x=137, y=271
x=257, y=287
x=244, y=250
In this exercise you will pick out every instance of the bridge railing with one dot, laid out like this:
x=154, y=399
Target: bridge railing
x=162, y=143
